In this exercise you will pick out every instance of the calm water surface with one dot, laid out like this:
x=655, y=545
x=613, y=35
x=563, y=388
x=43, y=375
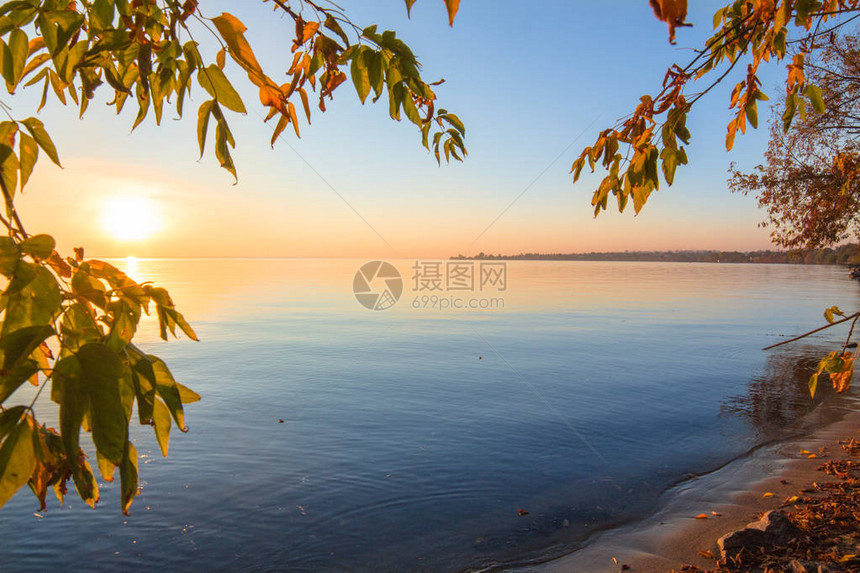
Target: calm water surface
x=411, y=438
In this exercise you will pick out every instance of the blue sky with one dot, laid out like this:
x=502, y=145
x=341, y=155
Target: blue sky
x=529, y=80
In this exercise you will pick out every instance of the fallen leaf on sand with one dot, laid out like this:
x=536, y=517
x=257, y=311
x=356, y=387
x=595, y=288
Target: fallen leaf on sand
x=805, y=452
x=706, y=554
x=702, y=516
x=768, y=494
x=811, y=456
x=717, y=513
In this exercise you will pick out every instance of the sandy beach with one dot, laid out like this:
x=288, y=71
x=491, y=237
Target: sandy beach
x=730, y=497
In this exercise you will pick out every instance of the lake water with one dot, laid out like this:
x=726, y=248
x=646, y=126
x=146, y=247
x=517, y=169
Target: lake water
x=412, y=437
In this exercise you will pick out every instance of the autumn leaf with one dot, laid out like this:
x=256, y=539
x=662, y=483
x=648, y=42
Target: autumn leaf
x=673, y=12
x=702, y=516
x=453, y=6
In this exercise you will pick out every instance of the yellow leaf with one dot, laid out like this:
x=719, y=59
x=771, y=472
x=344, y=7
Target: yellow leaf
x=767, y=494
x=848, y=557
x=233, y=32
x=706, y=554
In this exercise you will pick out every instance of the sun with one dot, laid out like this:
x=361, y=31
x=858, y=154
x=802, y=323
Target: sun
x=130, y=219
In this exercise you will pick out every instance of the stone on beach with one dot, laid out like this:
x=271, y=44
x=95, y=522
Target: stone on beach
x=772, y=530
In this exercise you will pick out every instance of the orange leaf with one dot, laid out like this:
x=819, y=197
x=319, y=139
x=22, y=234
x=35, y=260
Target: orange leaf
x=673, y=12
x=454, y=5
x=309, y=30
x=702, y=516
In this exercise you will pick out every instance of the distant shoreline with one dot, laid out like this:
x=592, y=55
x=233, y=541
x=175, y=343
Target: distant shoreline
x=843, y=255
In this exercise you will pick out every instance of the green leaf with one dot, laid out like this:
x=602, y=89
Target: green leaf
x=101, y=370
x=161, y=418
x=64, y=24
x=752, y=113
x=17, y=459
x=101, y=15
x=187, y=395
x=409, y=107
x=10, y=418
x=18, y=345
x=455, y=121
x=28, y=154
x=222, y=151
x=128, y=477
x=10, y=254
x=219, y=87
x=85, y=482
x=40, y=246
x=37, y=303
x=375, y=72
x=168, y=391
x=203, y=123
x=335, y=27
x=106, y=467
x=15, y=58
x=814, y=94
x=9, y=167
x=79, y=326
x=360, y=75
x=126, y=316
x=89, y=288
x=37, y=130
x=790, y=109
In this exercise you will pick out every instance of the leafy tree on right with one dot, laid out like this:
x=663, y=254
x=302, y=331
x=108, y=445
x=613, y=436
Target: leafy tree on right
x=808, y=184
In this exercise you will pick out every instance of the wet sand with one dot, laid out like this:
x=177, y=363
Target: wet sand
x=732, y=497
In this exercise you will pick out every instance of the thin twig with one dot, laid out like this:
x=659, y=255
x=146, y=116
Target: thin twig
x=846, y=319
x=10, y=207
x=850, y=333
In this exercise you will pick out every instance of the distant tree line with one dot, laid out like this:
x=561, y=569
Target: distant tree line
x=842, y=255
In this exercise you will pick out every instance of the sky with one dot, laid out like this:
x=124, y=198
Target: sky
x=534, y=83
